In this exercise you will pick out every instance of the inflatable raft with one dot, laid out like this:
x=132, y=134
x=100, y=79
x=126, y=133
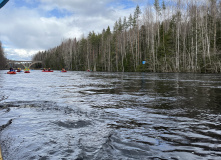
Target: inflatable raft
x=11, y=72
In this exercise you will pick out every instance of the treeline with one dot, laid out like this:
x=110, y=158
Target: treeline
x=181, y=36
x=2, y=57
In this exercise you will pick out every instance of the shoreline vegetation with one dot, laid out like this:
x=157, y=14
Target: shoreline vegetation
x=174, y=37
x=2, y=57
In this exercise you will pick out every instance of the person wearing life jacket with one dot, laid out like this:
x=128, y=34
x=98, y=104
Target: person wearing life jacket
x=26, y=69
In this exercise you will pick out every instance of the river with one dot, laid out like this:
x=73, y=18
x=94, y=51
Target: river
x=108, y=116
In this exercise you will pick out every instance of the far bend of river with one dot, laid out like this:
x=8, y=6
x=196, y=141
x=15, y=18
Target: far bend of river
x=110, y=116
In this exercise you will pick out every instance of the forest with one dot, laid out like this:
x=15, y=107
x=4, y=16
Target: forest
x=2, y=57
x=172, y=36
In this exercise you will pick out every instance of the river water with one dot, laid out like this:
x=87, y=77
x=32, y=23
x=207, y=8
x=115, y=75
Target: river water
x=107, y=116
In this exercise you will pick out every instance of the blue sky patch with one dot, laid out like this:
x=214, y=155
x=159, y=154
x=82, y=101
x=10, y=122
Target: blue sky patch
x=58, y=13
x=126, y=3
x=24, y=3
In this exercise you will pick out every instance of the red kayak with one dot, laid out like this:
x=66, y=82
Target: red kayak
x=11, y=72
x=27, y=71
x=47, y=71
x=63, y=71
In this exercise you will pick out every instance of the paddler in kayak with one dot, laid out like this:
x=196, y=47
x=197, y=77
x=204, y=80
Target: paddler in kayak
x=26, y=69
x=18, y=69
x=11, y=71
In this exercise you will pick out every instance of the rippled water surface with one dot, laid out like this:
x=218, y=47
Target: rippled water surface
x=106, y=116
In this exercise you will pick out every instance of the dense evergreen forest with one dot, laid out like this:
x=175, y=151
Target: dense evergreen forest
x=2, y=57
x=176, y=36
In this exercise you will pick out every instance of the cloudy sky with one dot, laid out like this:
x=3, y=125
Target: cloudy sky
x=29, y=26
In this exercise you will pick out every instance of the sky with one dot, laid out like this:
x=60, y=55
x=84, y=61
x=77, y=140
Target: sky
x=29, y=26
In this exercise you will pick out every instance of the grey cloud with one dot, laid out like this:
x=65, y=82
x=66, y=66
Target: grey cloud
x=83, y=7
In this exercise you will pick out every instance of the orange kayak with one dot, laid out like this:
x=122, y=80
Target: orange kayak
x=11, y=72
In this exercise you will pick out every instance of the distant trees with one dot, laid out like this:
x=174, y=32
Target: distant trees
x=2, y=57
x=177, y=36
